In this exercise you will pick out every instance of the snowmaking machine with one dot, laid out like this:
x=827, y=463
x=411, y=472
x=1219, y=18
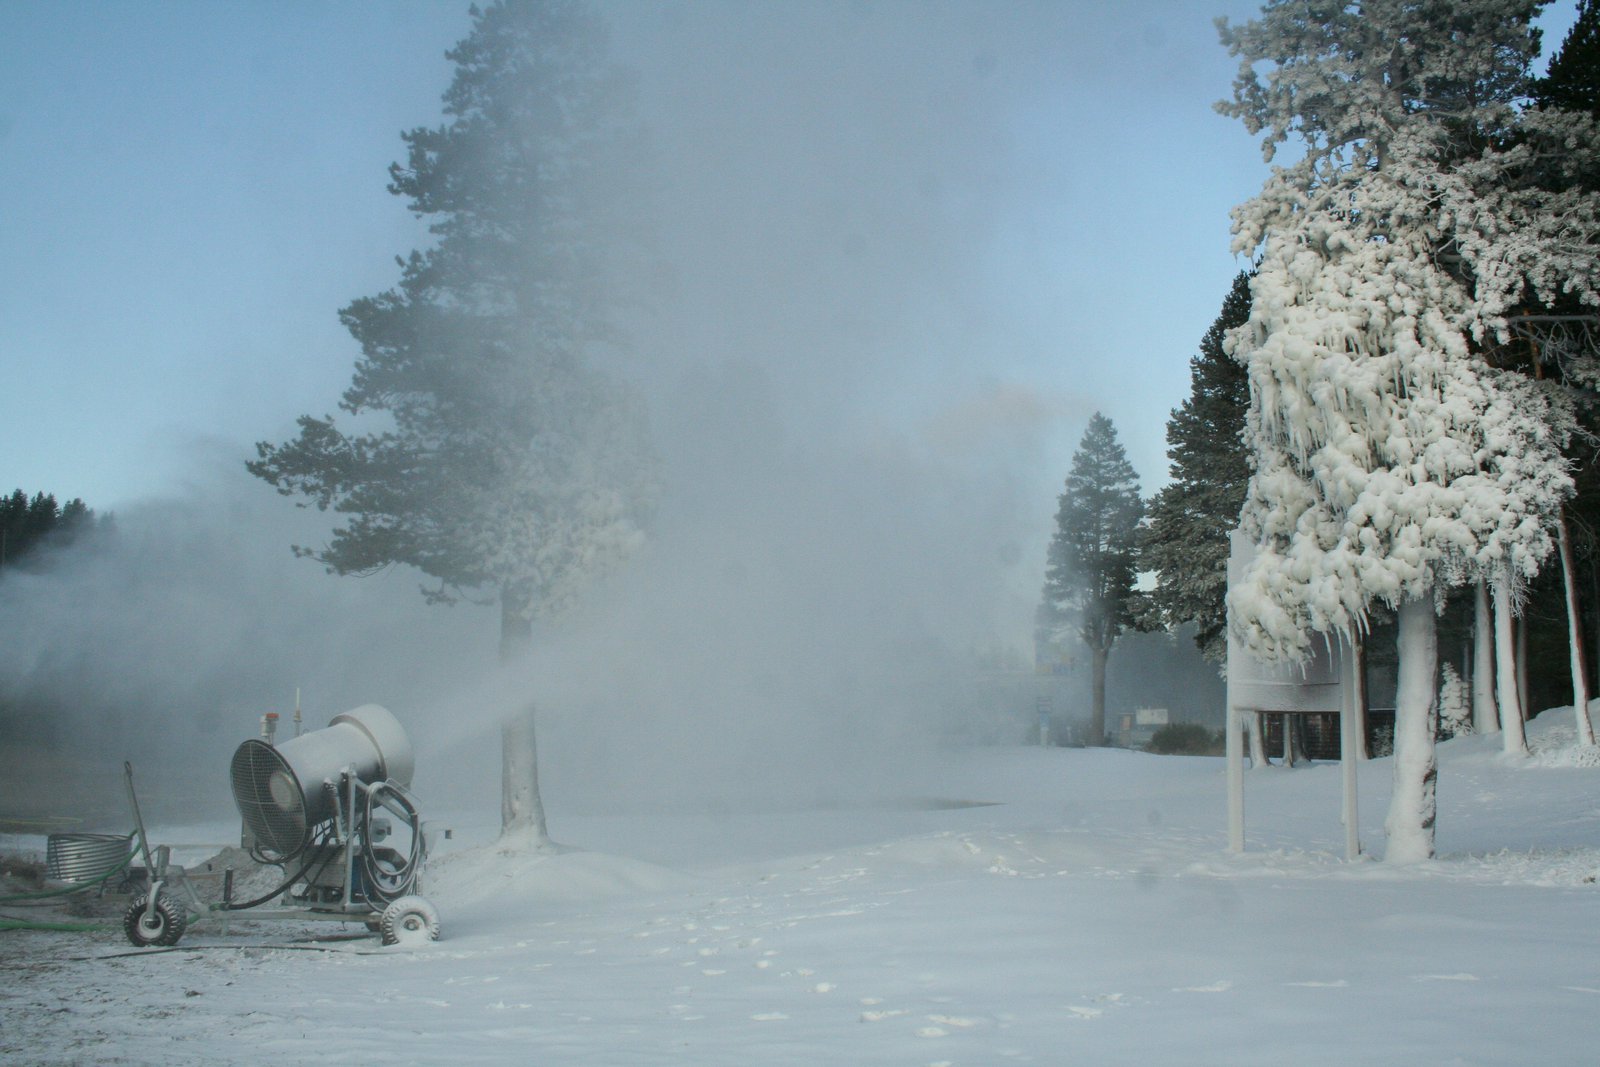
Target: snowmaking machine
x=331, y=810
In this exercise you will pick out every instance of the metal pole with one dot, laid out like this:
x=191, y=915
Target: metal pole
x=138, y=820
x=1235, y=758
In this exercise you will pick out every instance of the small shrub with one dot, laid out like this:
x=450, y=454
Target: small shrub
x=1380, y=740
x=1185, y=739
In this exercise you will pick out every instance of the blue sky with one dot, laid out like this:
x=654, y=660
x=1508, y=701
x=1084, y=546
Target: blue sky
x=193, y=189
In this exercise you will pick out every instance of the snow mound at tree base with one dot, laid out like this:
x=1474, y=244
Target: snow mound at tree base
x=1555, y=743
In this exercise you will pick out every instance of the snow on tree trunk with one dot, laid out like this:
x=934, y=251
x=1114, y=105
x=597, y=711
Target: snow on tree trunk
x=1485, y=715
x=1412, y=806
x=1358, y=720
x=521, y=806
x=1580, y=681
x=1515, y=739
x=1258, y=747
x=1097, y=710
x=1521, y=630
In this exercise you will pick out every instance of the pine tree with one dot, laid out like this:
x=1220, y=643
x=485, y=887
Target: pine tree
x=1572, y=81
x=28, y=524
x=1390, y=460
x=506, y=467
x=1093, y=557
x=1565, y=338
x=1190, y=518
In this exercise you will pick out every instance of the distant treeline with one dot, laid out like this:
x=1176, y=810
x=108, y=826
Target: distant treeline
x=28, y=524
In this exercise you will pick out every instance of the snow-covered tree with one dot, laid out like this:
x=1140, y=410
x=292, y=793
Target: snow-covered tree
x=1093, y=557
x=1391, y=461
x=1186, y=544
x=1567, y=336
x=488, y=451
x=1455, y=706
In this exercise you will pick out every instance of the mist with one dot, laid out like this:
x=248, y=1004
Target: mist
x=859, y=458
x=165, y=640
x=854, y=505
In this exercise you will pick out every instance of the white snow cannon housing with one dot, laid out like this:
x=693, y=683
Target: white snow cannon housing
x=333, y=806
x=282, y=791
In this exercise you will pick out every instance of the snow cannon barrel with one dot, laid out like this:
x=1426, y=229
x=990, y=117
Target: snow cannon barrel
x=280, y=790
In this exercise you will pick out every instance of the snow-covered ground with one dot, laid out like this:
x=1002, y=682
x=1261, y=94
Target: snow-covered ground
x=1043, y=906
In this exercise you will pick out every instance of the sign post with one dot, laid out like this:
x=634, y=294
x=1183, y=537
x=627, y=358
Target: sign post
x=1324, y=683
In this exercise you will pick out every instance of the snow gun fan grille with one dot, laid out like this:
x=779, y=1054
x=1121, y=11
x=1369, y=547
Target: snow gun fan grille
x=270, y=798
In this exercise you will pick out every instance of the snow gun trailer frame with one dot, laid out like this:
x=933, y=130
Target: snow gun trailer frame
x=346, y=874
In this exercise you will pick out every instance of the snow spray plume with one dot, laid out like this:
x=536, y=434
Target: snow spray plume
x=165, y=641
x=801, y=614
x=850, y=509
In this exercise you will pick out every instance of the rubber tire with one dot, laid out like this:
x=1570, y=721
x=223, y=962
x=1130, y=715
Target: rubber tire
x=162, y=929
x=409, y=921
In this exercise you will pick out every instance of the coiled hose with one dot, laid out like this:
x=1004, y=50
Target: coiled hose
x=46, y=897
x=383, y=883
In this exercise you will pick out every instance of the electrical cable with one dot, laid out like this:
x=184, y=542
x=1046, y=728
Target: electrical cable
x=8, y=923
x=315, y=850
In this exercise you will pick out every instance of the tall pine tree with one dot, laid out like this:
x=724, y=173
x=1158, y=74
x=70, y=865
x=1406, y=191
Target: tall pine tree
x=1390, y=461
x=1572, y=81
x=1560, y=343
x=1093, y=557
x=503, y=465
x=1186, y=544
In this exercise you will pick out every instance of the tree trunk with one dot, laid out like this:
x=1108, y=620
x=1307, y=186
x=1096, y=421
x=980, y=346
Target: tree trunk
x=521, y=806
x=1412, y=806
x=1515, y=739
x=1258, y=747
x=1358, y=698
x=1294, y=740
x=1522, y=665
x=1580, y=674
x=1594, y=601
x=1485, y=715
x=1097, y=697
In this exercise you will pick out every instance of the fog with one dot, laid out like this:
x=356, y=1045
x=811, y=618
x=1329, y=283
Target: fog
x=164, y=641
x=855, y=492
x=854, y=506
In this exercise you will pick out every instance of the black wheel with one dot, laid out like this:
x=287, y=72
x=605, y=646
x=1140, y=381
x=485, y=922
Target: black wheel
x=409, y=921
x=162, y=927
